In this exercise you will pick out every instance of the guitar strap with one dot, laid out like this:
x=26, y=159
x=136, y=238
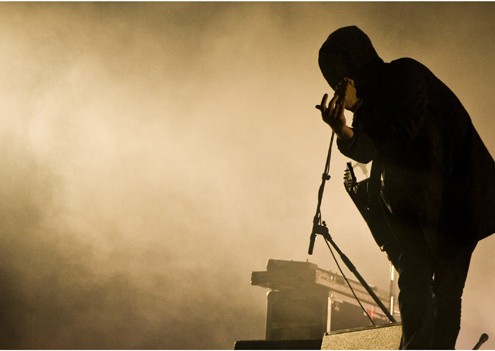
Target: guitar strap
x=379, y=208
x=375, y=183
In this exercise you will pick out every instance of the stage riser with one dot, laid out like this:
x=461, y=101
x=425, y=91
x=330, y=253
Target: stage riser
x=379, y=338
x=376, y=338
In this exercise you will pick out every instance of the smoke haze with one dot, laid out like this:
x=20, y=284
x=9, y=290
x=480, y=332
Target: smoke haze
x=155, y=154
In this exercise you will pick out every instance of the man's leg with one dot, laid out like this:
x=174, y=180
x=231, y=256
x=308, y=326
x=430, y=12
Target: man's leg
x=415, y=296
x=450, y=276
x=411, y=257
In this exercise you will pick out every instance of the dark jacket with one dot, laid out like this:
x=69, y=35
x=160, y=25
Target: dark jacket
x=436, y=169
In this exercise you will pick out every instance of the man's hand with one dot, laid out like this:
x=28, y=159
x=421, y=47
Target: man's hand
x=333, y=114
x=347, y=91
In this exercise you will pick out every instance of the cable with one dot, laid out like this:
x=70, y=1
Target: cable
x=319, y=229
x=349, y=284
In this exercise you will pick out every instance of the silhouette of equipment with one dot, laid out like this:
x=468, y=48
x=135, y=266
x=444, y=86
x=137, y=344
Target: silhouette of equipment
x=306, y=303
x=481, y=341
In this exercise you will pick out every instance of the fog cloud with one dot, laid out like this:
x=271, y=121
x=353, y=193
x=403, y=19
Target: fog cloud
x=154, y=154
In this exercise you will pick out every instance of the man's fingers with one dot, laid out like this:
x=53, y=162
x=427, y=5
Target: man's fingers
x=333, y=102
x=335, y=107
x=324, y=99
x=337, y=110
x=323, y=104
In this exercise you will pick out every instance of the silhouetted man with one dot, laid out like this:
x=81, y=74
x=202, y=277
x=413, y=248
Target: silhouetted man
x=438, y=177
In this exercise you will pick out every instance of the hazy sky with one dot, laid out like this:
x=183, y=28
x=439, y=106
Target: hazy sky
x=153, y=155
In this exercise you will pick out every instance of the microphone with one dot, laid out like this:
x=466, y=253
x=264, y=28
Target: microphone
x=481, y=341
x=317, y=229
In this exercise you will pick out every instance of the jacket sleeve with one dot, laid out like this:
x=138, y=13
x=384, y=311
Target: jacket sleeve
x=360, y=147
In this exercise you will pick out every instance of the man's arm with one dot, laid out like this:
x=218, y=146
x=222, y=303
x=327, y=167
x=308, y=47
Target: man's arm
x=360, y=147
x=353, y=144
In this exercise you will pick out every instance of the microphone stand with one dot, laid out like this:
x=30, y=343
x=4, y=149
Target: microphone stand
x=317, y=218
x=320, y=227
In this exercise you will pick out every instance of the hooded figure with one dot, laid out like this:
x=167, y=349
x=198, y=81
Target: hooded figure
x=344, y=53
x=438, y=177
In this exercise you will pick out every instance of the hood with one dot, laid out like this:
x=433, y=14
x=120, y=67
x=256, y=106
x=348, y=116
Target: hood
x=344, y=53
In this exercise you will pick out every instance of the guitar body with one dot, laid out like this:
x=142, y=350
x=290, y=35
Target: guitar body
x=377, y=217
